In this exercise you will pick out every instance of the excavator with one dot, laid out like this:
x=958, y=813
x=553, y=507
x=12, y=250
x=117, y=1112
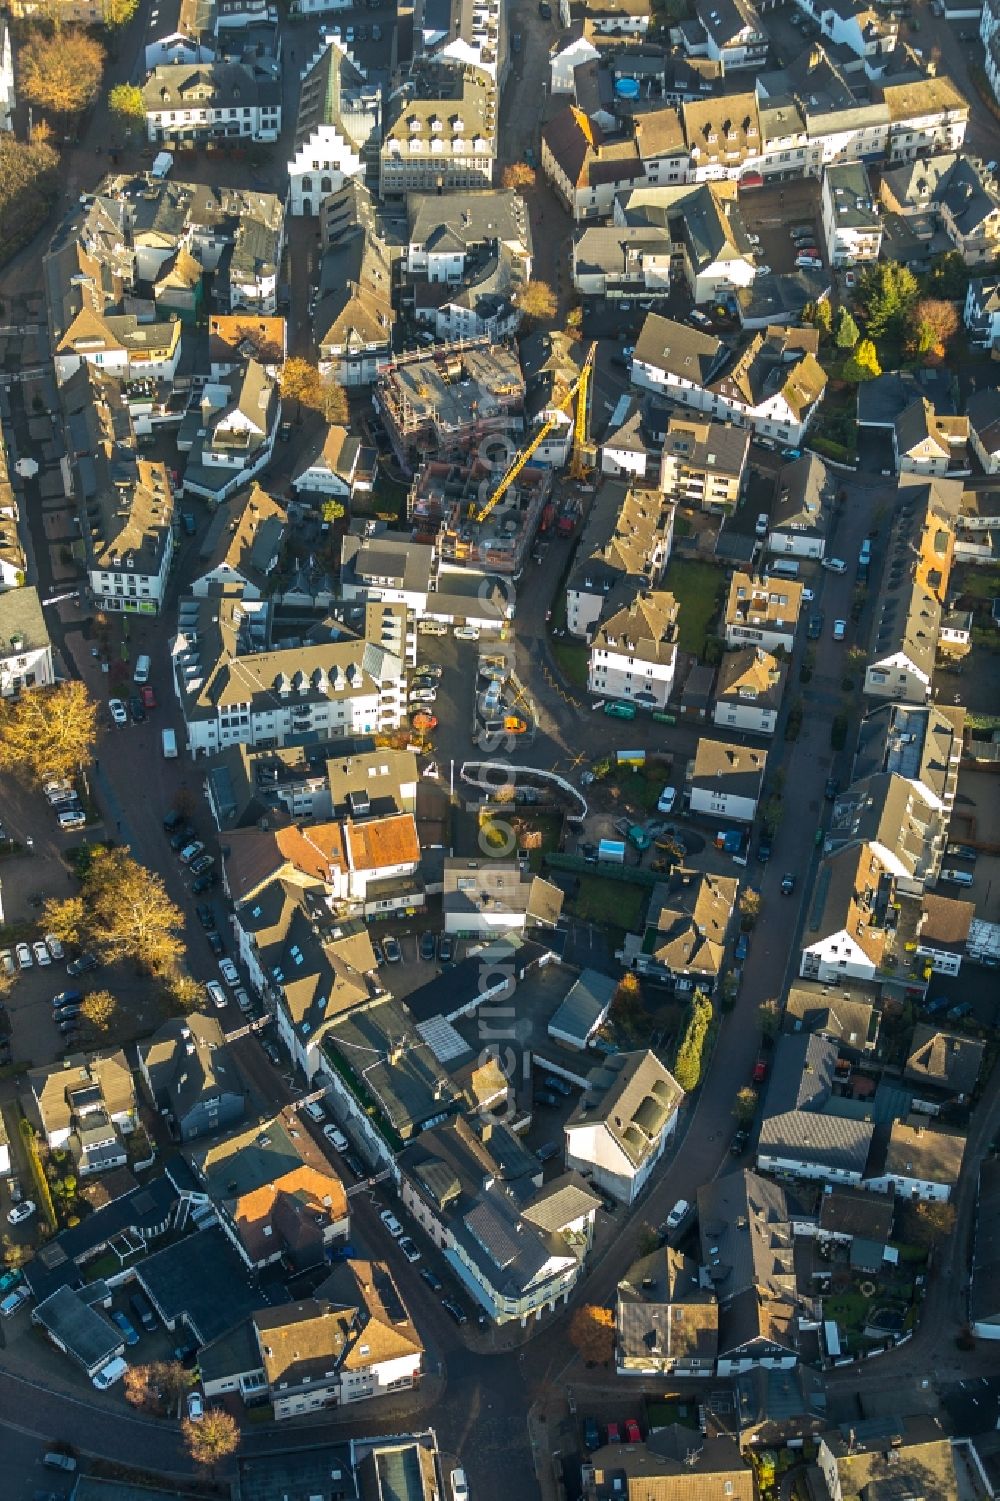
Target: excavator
x=580, y=464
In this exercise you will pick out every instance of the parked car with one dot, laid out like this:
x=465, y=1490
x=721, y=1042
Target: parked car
x=633, y=1434
x=21, y=1212
x=391, y=1223
x=809, y=262
x=205, y=882
x=408, y=1248
x=337, y=1137
x=68, y=1012
x=7, y=964
x=215, y=942
x=788, y=883
x=118, y=711
x=205, y=916
x=614, y=1434
x=445, y=948
x=25, y=959
x=195, y=1407
x=41, y=953
x=839, y=630
x=136, y=709
x=14, y=1300
x=558, y=1086
x=831, y=789
x=130, y=1332
x=456, y=1311
x=191, y=852
x=665, y=801
x=591, y=1435
x=764, y=848
x=815, y=627
x=81, y=965
x=546, y=1099
x=742, y=948
x=71, y=818
x=215, y=993
x=466, y=633
x=393, y=952
x=678, y=1214
x=432, y=1279
x=229, y=972
x=202, y=864
x=54, y=946
x=427, y=946
x=738, y=1144
x=357, y=1167
x=833, y=565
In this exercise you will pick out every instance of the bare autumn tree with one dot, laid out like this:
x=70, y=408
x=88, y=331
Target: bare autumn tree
x=537, y=301
x=212, y=1439
x=99, y=1010
x=47, y=731
x=518, y=175
x=592, y=1332
x=61, y=73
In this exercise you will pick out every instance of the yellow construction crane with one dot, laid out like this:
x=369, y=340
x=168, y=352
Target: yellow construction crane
x=580, y=390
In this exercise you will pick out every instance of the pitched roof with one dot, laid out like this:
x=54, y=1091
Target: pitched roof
x=679, y=350
x=772, y=604
x=381, y=842
x=856, y=1212
x=848, y=889
x=917, y=1150
x=732, y=770
x=634, y=1097
x=831, y=1141
x=843, y=1011
x=644, y=630
x=186, y=1061
x=688, y=919
x=751, y=674
x=944, y=1060
x=302, y=1200
x=902, y=1457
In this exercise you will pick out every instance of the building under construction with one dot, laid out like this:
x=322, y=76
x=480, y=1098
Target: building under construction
x=446, y=501
x=448, y=401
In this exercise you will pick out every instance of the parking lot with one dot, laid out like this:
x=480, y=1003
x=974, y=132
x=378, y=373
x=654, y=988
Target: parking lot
x=772, y=211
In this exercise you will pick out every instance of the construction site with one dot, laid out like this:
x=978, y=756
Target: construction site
x=445, y=501
x=484, y=504
x=446, y=402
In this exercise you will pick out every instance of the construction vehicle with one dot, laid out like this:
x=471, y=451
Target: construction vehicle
x=582, y=459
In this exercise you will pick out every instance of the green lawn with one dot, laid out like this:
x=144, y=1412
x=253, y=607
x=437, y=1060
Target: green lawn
x=697, y=588
x=980, y=583
x=618, y=902
x=849, y=1309
x=571, y=659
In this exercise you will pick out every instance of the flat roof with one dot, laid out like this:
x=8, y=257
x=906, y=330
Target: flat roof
x=314, y=1474
x=202, y=1281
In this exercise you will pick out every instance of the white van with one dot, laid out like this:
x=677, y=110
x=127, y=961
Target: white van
x=110, y=1373
x=169, y=745
x=783, y=568
x=959, y=877
x=163, y=165
x=141, y=674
